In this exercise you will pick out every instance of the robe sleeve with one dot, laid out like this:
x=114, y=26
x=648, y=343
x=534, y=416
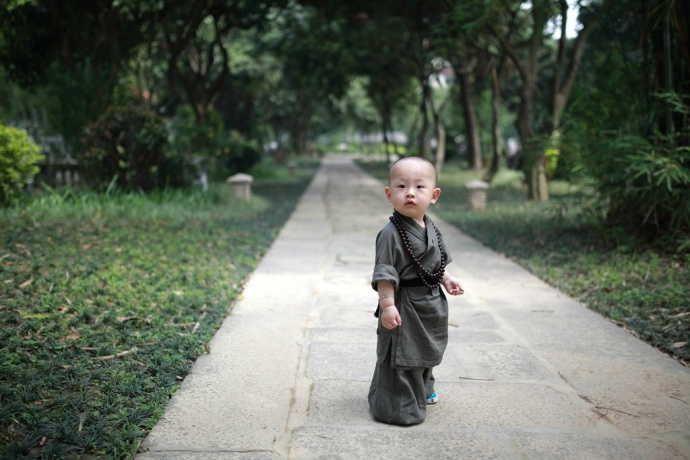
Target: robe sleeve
x=388, y=251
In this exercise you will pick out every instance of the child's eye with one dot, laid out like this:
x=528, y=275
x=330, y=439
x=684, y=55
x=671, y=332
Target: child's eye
x=420, y=186
x=401, y=186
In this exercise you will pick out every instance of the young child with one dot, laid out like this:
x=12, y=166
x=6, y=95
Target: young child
x=411, y=261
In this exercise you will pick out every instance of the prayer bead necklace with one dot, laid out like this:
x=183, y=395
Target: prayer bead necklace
x=431, y=280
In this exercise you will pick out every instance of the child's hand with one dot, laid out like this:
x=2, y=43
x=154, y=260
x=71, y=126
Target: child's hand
x=390, y=318
x=453, y=286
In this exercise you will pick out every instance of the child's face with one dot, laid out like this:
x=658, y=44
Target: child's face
x=412, y=188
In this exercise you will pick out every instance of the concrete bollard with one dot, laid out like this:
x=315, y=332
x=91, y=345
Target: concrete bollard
x=241, y=185
x=292, y=167
x=476, y=195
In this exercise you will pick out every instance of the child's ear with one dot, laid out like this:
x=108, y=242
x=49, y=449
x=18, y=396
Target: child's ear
x=388, y=193
x=435, y=195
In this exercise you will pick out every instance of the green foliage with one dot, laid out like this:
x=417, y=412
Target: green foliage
x=243, y=154
x=126, y=146
x=646, y=185
x=221, y=152
x=86, y=277
x=18, y=158
x=191, y=138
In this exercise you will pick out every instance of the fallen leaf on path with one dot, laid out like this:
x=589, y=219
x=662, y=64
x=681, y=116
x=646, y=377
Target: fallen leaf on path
x=679, y=344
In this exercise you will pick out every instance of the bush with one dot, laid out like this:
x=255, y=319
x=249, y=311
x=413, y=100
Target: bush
x=216, y=150
x=127, y=145
x=18, y=158
x=646, y=184
x=243, y=154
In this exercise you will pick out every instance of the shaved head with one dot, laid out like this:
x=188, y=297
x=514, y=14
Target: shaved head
x=415, y=159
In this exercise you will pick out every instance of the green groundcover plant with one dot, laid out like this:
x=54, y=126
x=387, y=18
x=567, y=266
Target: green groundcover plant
x=106, y=300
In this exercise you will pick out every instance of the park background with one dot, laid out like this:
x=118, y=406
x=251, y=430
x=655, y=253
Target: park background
x=123, y=248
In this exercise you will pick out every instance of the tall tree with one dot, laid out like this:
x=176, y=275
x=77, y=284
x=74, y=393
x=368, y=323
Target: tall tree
x=314, y=69
x=381, y=59
x=195, y=37
x=528, y=61
x=75, y=48
x=459, y=32
x=414, y=21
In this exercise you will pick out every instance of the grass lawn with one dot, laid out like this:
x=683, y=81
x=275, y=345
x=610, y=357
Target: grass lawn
x=639, y=288
x=106, y=301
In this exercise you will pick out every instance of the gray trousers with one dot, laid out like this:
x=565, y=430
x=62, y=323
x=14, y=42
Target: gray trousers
x=398, y=396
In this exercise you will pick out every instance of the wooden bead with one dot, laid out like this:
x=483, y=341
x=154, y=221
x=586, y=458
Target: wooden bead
x=431, y=280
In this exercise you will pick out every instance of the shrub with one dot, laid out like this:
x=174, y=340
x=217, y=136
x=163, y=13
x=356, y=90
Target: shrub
x=127, y=145
x=218, y=151
x=646, y=184
x=243, y=154
x=18, y=162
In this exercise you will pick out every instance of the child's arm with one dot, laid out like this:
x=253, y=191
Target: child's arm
x=453, y=286
x=390, y=317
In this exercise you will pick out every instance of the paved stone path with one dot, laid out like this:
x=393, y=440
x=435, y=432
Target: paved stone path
x=528, y=373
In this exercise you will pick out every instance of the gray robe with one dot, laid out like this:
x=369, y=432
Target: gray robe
x=406, y=355
x=422, y=338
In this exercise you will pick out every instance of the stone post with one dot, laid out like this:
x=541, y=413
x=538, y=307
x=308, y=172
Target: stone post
x=476, y=195
x=241, y=185
x=292, y=167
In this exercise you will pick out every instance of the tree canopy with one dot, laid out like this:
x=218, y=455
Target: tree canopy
x=283, y=73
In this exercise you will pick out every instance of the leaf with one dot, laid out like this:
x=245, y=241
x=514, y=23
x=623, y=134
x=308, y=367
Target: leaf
x=679, y=344
x=26, y=283
x=72, y=336
x=123, y=319
x=36, y=316
x=119, y=355
x=681, y=315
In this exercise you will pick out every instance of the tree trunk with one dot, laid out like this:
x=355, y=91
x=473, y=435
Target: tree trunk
x=386, y=122
x=495, y=127
x=538, y=185
x=529, y=69
x=440, y=131
x=441, y=146
x=474, y=153
x=422, y=141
